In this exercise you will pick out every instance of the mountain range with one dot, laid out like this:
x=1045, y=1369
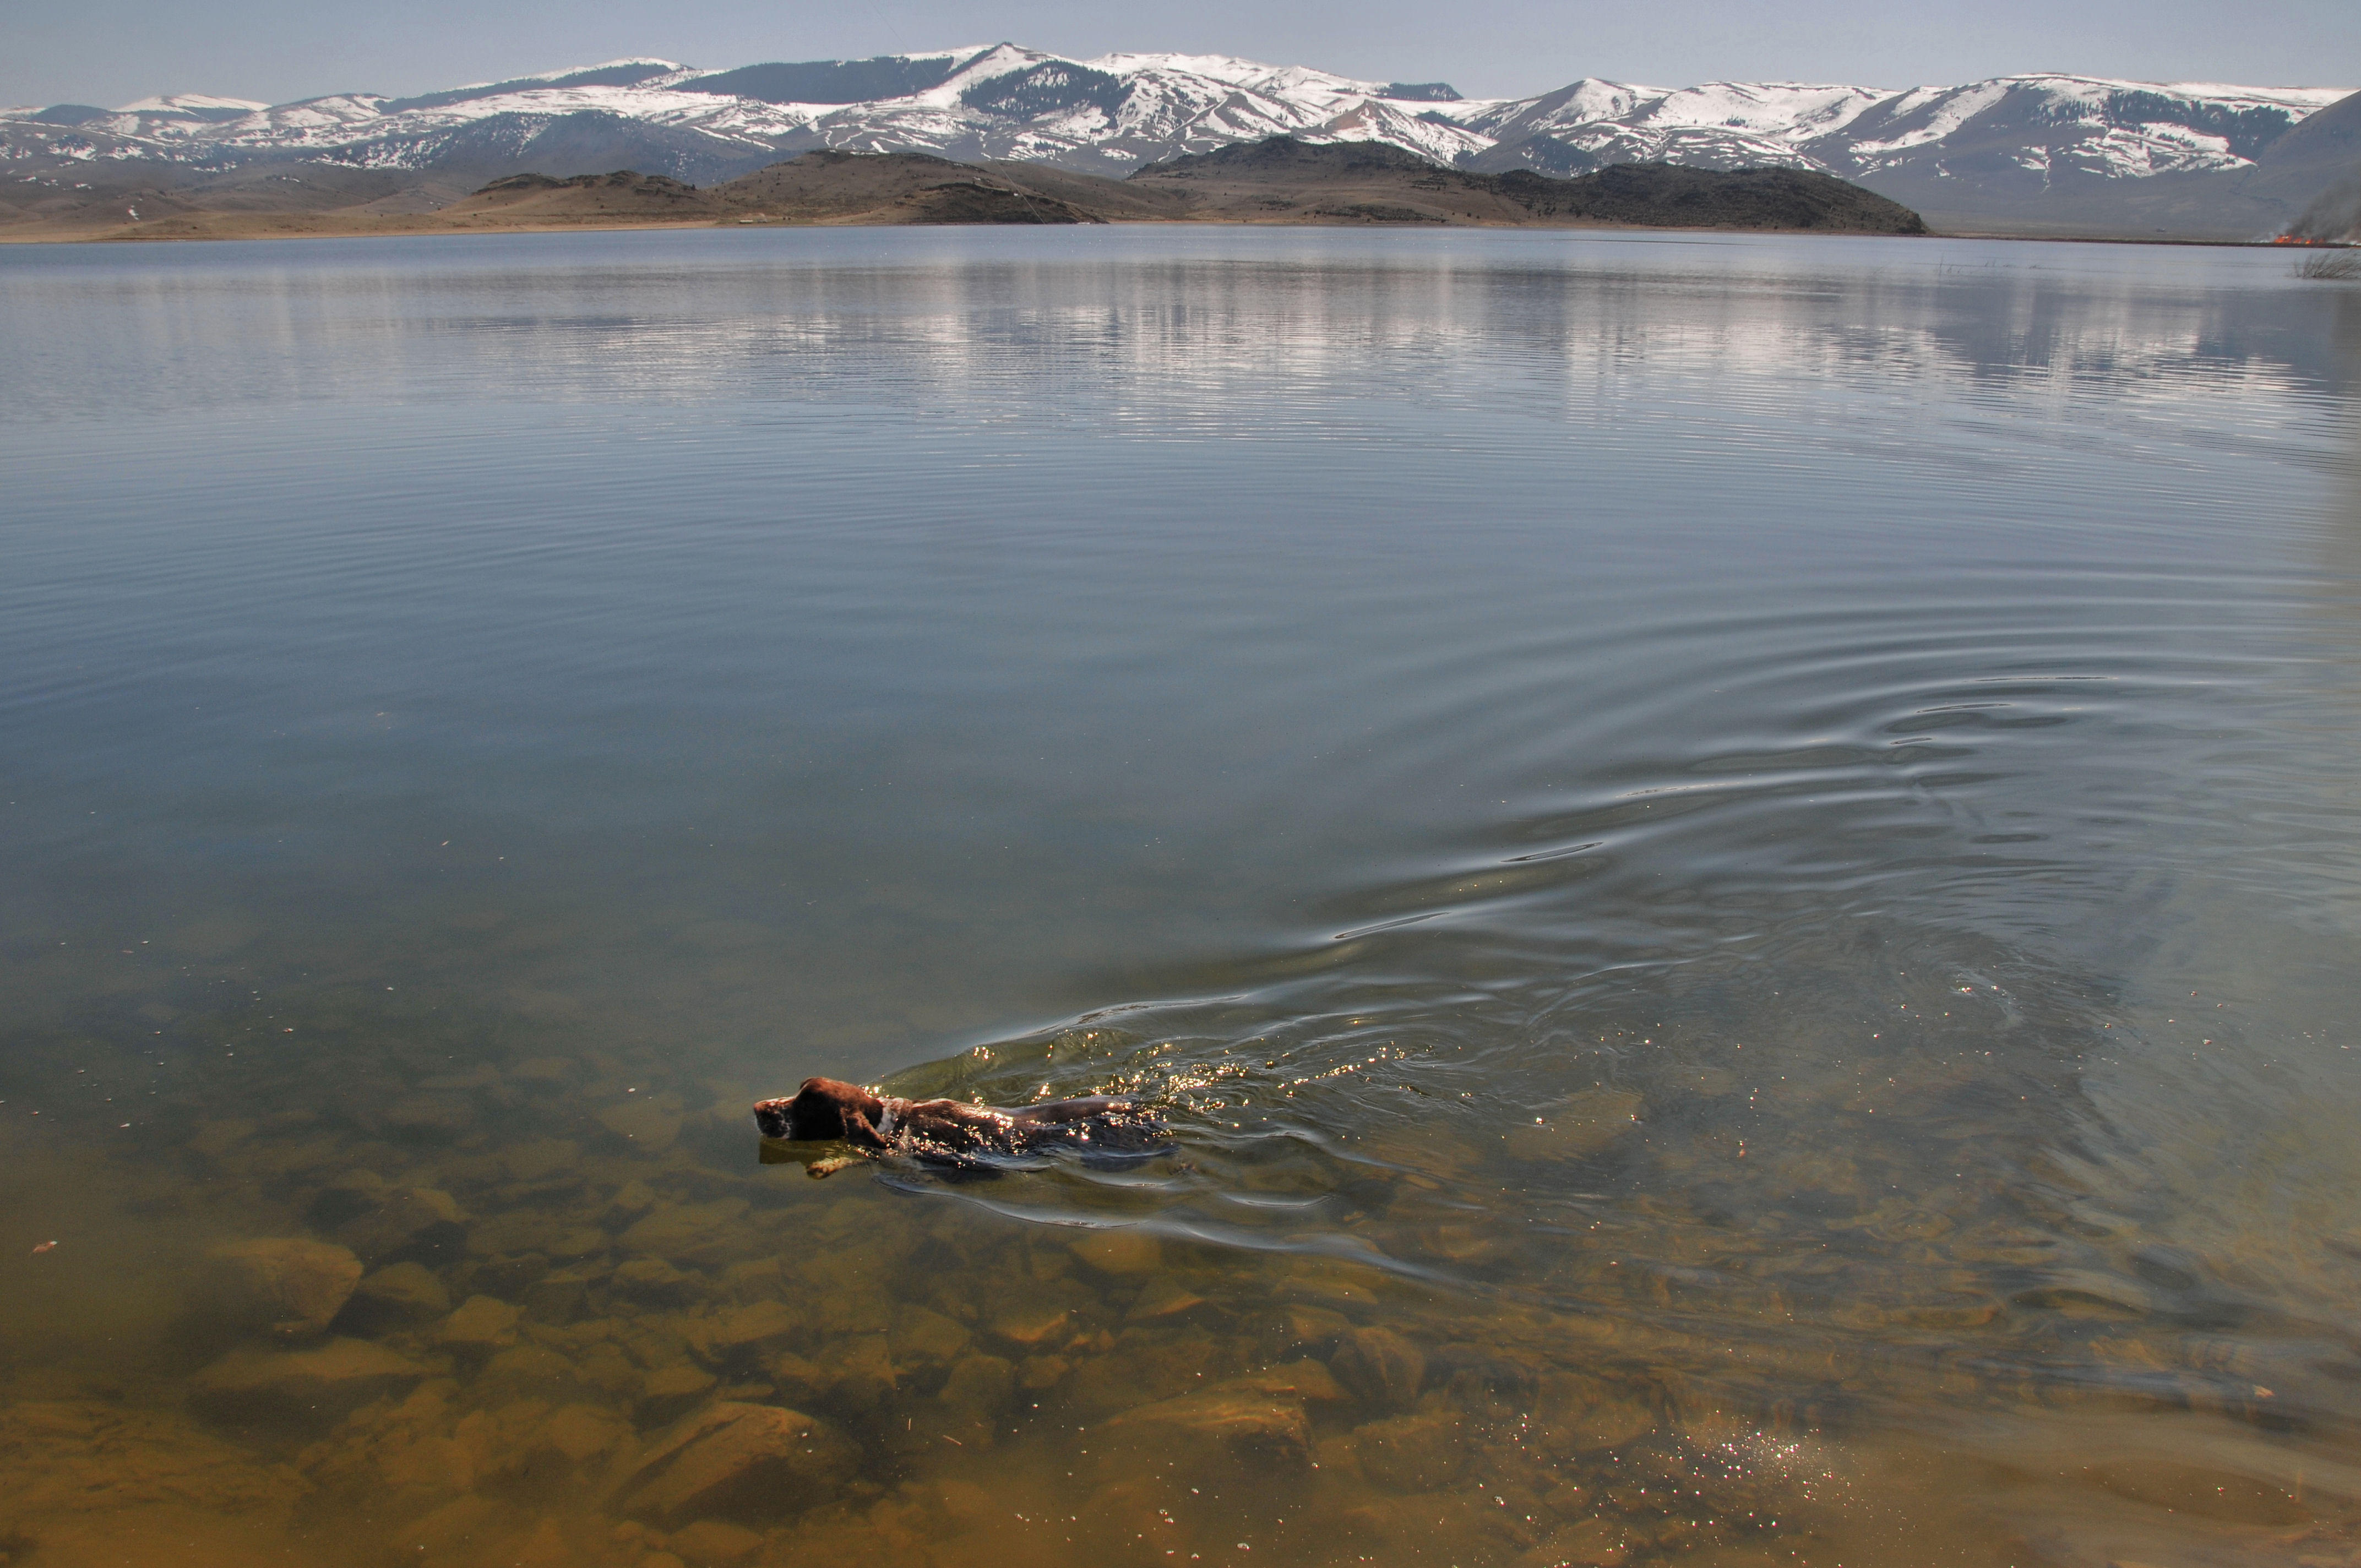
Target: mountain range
x=2020, y=154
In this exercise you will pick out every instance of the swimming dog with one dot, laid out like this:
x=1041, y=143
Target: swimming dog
x=952, y=1131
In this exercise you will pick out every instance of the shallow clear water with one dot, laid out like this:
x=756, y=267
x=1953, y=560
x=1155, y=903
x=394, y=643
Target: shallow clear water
x=1734, y=858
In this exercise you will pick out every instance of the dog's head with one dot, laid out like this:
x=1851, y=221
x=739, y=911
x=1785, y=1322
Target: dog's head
x=815, y=1114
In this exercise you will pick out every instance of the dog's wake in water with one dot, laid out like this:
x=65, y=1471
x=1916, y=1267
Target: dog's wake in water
x=953, y=1135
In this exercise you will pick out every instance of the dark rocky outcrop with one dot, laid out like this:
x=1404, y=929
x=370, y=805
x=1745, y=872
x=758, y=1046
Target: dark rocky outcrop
x=918, y=188
x=1671, y=195
x=1279, y=180
x=1372, y=182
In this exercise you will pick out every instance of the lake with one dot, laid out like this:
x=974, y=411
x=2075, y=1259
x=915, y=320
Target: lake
x=1733, y=859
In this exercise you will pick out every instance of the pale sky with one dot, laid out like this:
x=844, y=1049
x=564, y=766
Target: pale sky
x=112, y=51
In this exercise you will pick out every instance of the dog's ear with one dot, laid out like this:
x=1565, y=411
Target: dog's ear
x=858, y=1131
x=811, y=1114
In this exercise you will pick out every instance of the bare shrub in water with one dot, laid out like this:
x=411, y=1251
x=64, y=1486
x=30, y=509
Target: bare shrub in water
x=2333, y=265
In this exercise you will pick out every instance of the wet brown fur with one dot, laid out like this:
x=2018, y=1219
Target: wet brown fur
x=826, y=1110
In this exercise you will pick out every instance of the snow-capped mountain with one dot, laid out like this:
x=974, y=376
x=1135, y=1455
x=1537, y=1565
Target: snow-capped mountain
x=2011, y=139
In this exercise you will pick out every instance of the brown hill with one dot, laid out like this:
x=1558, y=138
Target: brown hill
x=112, y=198
x=1278, y=181
x=1284, y=180
x=917, y=188
x=325, y=201
x=588, y=198
x=2321, y=159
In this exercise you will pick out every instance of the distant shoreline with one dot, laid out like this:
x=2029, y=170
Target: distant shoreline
x=176, y=231
x=1278, y=181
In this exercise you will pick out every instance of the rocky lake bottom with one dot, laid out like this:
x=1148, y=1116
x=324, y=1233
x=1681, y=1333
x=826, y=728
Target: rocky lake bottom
x=555, y=1309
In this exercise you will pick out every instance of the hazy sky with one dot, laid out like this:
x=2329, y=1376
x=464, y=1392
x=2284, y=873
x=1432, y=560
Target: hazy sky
x=111, y=51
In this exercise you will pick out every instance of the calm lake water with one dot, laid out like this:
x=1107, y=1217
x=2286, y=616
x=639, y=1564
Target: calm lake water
x=1736, y=860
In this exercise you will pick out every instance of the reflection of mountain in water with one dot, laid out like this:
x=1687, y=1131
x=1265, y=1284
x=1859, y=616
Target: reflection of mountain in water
x=1564, y=327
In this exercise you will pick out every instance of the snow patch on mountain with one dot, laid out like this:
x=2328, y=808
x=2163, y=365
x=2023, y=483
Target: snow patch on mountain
x=1292, y=82
x=191, y=104
x=1376, y=119
x=1932, y=114
x=562, y=72
x=1786, y=112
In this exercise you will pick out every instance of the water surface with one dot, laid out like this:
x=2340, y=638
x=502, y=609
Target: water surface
x=1733, y=858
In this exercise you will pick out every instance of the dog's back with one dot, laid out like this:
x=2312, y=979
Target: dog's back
x=952, y=1133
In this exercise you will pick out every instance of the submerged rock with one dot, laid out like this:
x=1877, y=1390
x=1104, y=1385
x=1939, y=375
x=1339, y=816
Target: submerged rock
x=581, y=1431
x=667, y=1390
x=920, y=1335
x=758, y=1323
x=303, y=1387
x=557, y=1298
x=401, y=1454
x=858, y=1375
x=1476, y=1375
x=534, y=1367
x=1257, y=1422
x=561, y=1234
x=1308, y=1328
x=1120, y=1252
x=296, y=1285
x=382, y=1225
x=1594, y=1417
x=1419, y=1453
x=694, y=1232
x=656, y=1283
x=860, y=1372
x=508, y=1277
x=401, y=1295
x=804, y=1382
x=1030, y=1323
x=480, y=1323
x=1302, y=1379
x=1164, y=1298
x=1042, y=1372
x=1380, y=1367
x=67, y=1458
x=734, y=1461
x=979, y=1387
